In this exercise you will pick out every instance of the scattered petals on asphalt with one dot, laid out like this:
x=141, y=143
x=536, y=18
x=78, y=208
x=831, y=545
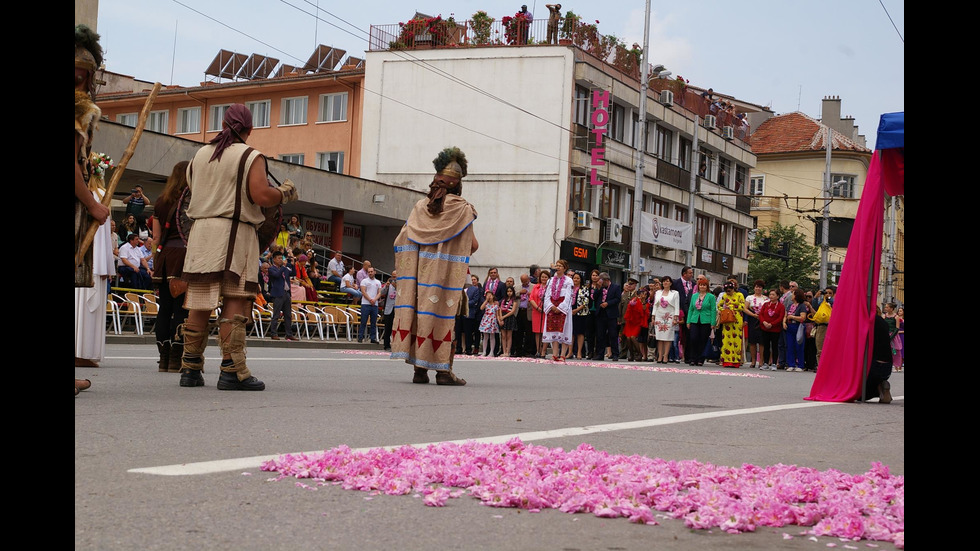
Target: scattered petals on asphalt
x=605, y=365
x=869, y=506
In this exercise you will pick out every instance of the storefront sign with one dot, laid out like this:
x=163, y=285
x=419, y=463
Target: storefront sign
x=577, y=253
x=600, y=118
x=665, y=232
x=614, y=258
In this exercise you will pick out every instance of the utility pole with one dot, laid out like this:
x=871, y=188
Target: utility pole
x=694, y=182
x=825, y=240
x=640, y=150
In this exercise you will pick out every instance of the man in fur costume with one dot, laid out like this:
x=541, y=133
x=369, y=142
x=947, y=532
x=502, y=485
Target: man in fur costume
x=432, y=256
x=88, y=58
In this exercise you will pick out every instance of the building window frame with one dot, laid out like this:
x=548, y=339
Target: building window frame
x=189, y=120
x=216, y=115
x=292, y=158
x=128, y=119
x=333, y=107
x=757, y=185
x=261, y=113
x=580, y=196
x=294, y=111
x=323, y=161
x=847, y=190
x=159, y=121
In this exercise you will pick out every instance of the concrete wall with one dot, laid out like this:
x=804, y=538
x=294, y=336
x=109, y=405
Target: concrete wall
x=518, y=162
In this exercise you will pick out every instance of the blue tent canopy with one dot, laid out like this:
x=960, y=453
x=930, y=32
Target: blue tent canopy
x=891, y=131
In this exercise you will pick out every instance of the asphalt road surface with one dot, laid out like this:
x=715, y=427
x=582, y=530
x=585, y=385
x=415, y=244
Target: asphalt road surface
x=163, y=467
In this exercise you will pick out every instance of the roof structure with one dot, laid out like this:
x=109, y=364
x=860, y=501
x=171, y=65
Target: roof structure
x=797, y=132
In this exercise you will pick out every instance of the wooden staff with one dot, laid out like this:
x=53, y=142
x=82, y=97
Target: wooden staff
x=117, y=174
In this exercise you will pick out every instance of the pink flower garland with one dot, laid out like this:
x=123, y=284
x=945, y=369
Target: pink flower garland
x=868, y=506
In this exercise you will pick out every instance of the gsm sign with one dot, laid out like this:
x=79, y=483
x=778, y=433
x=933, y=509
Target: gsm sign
x=579, y=252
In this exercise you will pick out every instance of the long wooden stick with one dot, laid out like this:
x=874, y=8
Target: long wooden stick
x=117, y=174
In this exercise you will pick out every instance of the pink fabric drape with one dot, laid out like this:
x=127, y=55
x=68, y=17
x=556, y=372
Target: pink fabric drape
x=847, y=348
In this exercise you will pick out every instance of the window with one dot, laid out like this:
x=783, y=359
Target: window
x=724, y=172
x=704, y=163
x=680, y=214
x=293, y=111
x=129, y=119
x=657, y=207
x=260, y=112
x=581, y=194
x=757, y=185
x=610, y=201
x=617, y=122
x=650, y=141
x=664, y=139
x=332, y=161
x=333, y=107
x=294, y=158
x=188, y=120
x=159, y=122
x=216, y=114
x=581, y=115
x=701, y=230
x=685, y=159
x=721, y=236
x=739, y=179
x=739, y=242
x=833, y=272
x=842, y=185
x=634, y=134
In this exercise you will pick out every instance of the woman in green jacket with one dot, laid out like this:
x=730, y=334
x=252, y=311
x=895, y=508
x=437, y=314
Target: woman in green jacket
x=700, y=319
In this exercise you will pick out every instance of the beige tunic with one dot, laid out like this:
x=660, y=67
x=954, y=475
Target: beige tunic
x=223, y=245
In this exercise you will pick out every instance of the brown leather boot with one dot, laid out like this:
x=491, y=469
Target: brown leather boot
x=234, y=372
x=192, y=361
x=421, y=376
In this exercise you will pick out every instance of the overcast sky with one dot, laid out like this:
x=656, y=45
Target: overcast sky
x=785, y=54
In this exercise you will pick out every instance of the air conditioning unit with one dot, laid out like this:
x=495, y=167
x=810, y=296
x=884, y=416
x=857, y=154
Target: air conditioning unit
x=728, y=133
x=709, y=122
x=614, y=231
x=667, y=98
x=583, y=220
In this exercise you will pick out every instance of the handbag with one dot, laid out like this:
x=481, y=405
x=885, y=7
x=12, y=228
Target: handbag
x=822, y=315
x=801, y=334
x=177, y=286
x=727, y=315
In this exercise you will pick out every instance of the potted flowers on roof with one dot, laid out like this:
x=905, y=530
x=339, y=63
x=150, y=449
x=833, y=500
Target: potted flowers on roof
x=481, y=23
x=516, y=29
x=566, y=34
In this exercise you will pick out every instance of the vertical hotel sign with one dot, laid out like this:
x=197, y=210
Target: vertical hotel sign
x=600, y=119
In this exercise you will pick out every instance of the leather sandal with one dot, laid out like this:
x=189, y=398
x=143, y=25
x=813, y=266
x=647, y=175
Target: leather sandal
x=448, y=378
x=82, y=384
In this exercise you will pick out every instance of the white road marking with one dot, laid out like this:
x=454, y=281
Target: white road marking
x=250, y=463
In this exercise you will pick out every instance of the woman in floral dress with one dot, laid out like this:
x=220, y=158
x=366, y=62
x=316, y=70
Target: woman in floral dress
x=666, y=306
x=731, y=340
x=489, y=325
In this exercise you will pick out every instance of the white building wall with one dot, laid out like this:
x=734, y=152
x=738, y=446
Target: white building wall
x=510, y=116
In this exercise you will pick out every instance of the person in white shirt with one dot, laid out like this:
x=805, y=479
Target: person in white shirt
x=335, y=268
x=349, y=285
x=370, y=293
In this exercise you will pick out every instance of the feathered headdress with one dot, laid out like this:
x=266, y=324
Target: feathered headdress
x=451, y=162
x=87, y=42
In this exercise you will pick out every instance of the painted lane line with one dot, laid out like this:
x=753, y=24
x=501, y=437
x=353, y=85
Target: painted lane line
x=247, y=463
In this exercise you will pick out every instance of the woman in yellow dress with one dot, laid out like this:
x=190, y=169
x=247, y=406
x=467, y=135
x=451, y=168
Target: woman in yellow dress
x=730, y=306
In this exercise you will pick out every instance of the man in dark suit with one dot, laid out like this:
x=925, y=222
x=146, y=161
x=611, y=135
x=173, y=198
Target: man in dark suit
x=282, y=302
x=685, y=287
x=474, y=296
x=607, y=313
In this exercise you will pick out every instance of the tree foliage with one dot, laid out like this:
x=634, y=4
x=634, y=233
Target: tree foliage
x=802, y=266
